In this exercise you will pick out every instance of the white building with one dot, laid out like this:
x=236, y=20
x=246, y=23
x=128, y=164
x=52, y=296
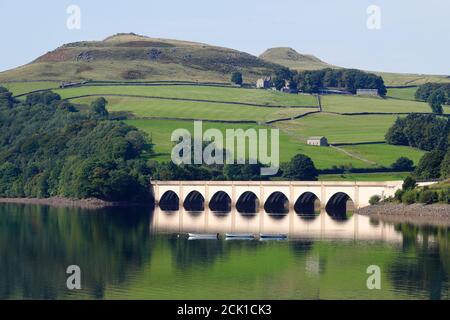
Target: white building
x=367, y=92
x=317, y=141
x=263, y=83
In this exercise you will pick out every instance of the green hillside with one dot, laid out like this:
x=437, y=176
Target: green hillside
x=339, y=128
x=402, y=93
x=348, y=121
x=135, y=57
x=160, y=132
x=148, y=108
x=18, y=88
x=290, y=58
x=410, y=79
x=252, y=96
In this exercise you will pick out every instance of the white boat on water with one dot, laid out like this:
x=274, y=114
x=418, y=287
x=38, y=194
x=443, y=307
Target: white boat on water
x=203, y=236
x=273, y=236
x=240, y=235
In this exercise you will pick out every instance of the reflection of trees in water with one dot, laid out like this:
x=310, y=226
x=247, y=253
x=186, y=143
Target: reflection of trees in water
x=195, y=253
x=191, y=254
x=314, y=263
x=429, y=272
x=301, y=247
x=38, y=243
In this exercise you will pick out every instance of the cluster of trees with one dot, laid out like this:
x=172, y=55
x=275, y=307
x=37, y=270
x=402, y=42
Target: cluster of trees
x=347, y=79
x=49, y=148
x=314, y=81
x=283, y=75
x=300, y=167
x=403, y=164
x=436, y=94
x=6, y=98
x=426, y=132
x=410, y=193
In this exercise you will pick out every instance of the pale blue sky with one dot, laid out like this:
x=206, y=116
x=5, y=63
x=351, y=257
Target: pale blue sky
x=414, y=34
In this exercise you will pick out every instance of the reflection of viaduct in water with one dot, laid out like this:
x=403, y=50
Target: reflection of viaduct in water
x=322, y=226
x=273, y=196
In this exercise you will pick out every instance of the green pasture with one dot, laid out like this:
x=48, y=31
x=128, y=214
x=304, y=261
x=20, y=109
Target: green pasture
x=384, y=154
x=263, y=97
x=340, y=128
x=293, y=134
x=353, y=104
x=408, y=79
x=160, y=132
x=24, y=87
x=144, y=107
x=402, y=93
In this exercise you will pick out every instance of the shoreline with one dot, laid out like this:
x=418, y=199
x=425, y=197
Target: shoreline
x=89, y=203
x=420, y=214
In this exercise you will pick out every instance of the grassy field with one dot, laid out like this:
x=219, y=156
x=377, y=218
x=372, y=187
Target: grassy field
x=263, y=97
x=384, y=154
x=405, y=79
x=24, y=87
x=339, y=128
x=402, y=93
x=352, y=104
x=293, y=134
x=382, y=176
x=160, y=131
x=143, y=107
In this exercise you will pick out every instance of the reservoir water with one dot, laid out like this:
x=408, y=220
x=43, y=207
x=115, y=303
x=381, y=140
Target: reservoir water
x=139, y=253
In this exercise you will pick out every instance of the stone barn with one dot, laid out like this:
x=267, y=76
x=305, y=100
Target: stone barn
x=367, y=92
x=317, y=141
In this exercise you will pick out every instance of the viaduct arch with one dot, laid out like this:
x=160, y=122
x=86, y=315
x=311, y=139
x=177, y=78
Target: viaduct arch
x=276, y=196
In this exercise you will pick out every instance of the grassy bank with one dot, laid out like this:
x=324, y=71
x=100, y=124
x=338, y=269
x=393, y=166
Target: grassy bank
x=379, y=176
x=142, y=107
x=263, y=97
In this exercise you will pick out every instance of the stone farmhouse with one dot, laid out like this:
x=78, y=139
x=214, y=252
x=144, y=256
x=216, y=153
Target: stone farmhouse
x=264, y=83
x=317, y=141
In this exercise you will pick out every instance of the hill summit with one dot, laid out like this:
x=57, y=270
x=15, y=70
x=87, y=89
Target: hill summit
x=128, y=56
x=290, y=58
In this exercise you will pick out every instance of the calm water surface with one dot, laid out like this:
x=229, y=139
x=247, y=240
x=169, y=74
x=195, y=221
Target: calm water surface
x=141, y=254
